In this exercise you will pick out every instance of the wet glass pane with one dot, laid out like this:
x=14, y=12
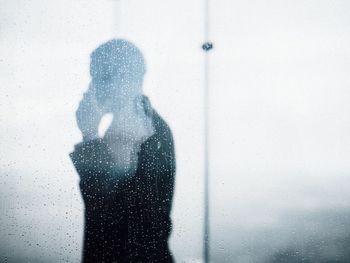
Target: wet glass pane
x=45, y=65
x=277, y=132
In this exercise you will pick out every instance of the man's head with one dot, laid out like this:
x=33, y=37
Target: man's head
x=117, y=69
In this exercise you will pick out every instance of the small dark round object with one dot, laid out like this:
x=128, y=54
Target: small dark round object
x=207, y=46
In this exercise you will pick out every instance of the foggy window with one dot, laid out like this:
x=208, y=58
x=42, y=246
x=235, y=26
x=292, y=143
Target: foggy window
x=184, y=131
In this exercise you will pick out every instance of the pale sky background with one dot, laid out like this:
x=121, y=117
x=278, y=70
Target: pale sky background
x=279, y=121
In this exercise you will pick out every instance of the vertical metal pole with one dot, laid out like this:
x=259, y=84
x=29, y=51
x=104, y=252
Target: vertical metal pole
x=206, y=165
x=206, y=47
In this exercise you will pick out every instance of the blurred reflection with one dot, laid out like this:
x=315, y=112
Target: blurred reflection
x=127, y=176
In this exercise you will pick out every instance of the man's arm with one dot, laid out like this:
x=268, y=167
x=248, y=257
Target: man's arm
x=167, y=172
x=94, y=165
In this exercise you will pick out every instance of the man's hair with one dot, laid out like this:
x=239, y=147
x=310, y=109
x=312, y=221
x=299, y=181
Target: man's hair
x=117, y=56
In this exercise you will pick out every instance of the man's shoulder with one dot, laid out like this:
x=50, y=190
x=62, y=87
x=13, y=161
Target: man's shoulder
x=161, y=125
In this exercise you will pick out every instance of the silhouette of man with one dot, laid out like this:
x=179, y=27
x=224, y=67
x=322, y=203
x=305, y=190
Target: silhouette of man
x=127, y=176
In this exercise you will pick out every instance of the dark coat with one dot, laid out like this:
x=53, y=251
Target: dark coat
x=127, y=220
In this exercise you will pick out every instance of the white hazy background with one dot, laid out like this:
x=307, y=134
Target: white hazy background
x=279, y=121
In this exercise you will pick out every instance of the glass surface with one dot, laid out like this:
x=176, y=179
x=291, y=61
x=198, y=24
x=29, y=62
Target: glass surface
x=279, y=125
x=280, y=169
x=45, y=48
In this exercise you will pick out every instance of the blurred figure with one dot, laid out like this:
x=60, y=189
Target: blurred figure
x=126, y=177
